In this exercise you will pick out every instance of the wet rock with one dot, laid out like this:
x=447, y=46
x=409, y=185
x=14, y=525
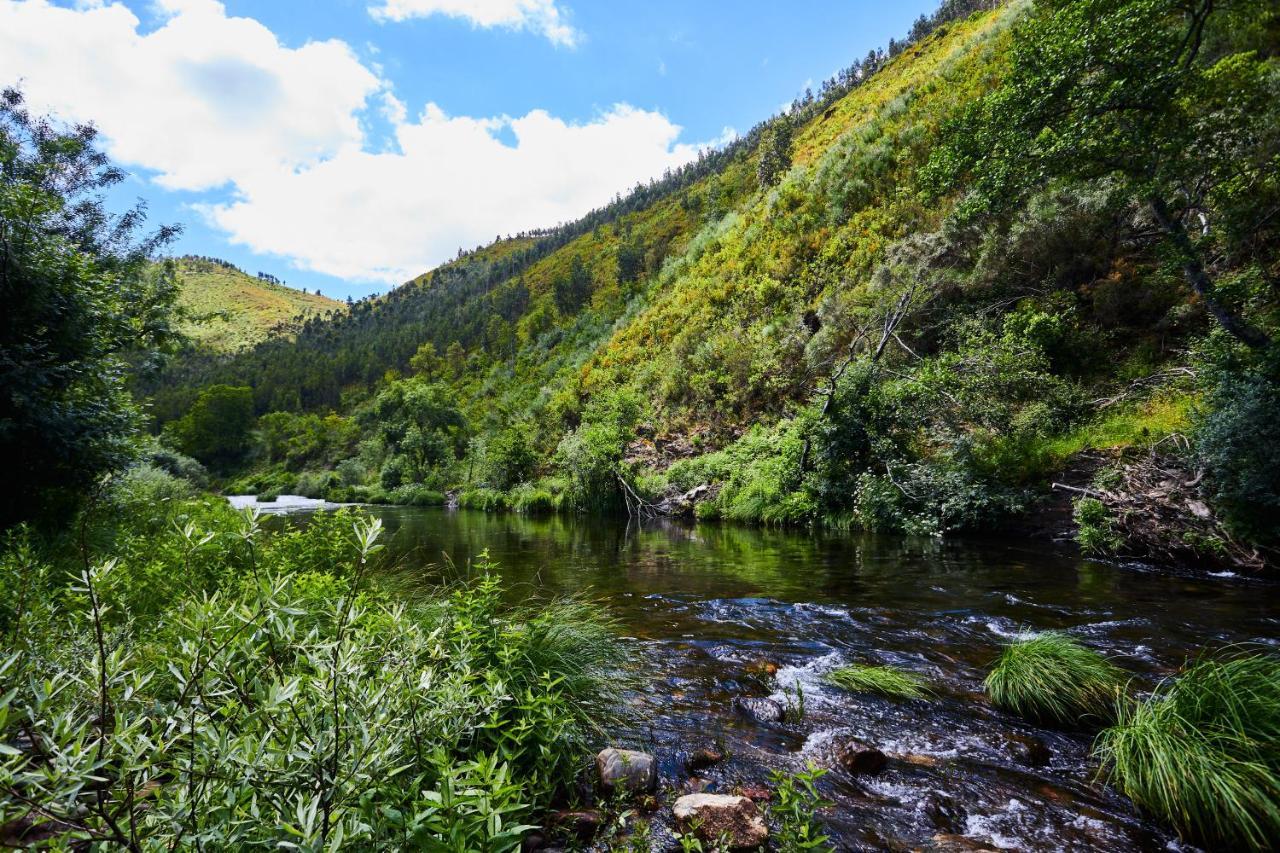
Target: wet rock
x=944, y=813
x=626, y=770
x=856, y=757
x=582, y=825
x=760, y=710
x=533, y=841
x=701, y=759
x=695, y=785
x=948, y=843
x=760, y=666
x=758, y=793
x=714, y=816
x=1030, y=751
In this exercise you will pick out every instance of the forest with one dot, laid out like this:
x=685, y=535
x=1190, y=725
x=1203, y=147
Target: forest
x=1015, y=275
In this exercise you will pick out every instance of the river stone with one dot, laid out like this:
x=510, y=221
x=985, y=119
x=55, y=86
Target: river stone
x=701, y=759
x=1031, y=751
x=760, y=710
x=626, y=770
x=714, y=816
x=946, y=814
x=582, y=824
x=856, y=757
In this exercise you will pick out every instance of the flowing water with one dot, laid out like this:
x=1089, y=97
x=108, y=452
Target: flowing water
x=722, y=612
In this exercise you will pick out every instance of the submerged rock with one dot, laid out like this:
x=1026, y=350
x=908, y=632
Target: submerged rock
x=714, y=816
x=944, y=813
x=856, y=757
x=701, y=759
x=760, y=710
x=626, y=770
x=1031, y=751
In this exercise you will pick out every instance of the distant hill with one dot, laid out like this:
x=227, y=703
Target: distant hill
x=228, y=309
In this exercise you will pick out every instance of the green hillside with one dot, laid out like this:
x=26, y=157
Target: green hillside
x=226, y=309
x=898, y=306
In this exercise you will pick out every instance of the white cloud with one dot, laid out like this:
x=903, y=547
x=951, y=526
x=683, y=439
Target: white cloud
x=540, y=16
x=203, y=100
x=208, y=101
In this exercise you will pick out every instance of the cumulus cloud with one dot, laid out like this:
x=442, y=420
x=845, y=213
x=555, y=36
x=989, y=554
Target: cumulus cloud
x=211, y=102
x=539, y=16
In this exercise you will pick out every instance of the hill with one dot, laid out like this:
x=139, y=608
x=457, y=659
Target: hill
x=883, y=308
x=227, y=309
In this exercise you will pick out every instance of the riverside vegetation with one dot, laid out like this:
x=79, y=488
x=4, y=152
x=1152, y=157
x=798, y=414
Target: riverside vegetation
x=1034, y=242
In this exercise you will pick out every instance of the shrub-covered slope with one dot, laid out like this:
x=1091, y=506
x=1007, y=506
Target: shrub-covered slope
x=226, y=309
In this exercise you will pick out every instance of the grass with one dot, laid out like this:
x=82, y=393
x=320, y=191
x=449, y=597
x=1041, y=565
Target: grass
x=882, y=680
x=1203, y=752
x=1052, y=678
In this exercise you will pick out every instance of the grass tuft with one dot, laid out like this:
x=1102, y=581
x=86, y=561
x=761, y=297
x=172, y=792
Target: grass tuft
x=1203, y=752
x=883, y=680
x=1052, y=678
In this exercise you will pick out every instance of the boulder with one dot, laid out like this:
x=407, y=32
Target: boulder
x=856, y=757
x=946, y=815
x=1031, y=751
x=583, y=825
x=760, y=710
x=711, y=817
x=626, y=770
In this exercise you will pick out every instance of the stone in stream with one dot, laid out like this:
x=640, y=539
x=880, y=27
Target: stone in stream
x=944, y=813
x=1031, y=751
x=760, y=710
x=714, y=816
x=626, y=770
x=701, y=759
x=583, y=825
x=856, y=757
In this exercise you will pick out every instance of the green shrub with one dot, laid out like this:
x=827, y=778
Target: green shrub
x=794, y=809
x=1203, y=752
x=531, y=499
x=509, y=460
x=415, y=495
x=883, y=680
x=1051, y=678
x=1239, y=441
x=285, y=699
x=1094, y=531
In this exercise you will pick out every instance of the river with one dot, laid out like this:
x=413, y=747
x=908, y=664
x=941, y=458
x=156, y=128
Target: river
x=720, y=612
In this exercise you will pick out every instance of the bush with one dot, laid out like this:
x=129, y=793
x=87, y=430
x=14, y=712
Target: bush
x=532, y=499
x=883, y=680
x=284, y=684
x=1051, y=678
x=1239, y=441
x=1094, y=531
x=415, y=495
x=509, y=460
x=1203, y=752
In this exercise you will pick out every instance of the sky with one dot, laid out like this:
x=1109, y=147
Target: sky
x=349, y=145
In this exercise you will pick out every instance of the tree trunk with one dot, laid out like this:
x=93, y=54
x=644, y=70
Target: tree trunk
x=1198, y=278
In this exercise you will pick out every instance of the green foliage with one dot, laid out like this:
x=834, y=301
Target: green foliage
x=1239, y=441
x=217, y=428
x=1203, y=752
x=348, y=716
x=297, y=440
x=488, y=500
x=419, y=426
x=509, y=458
x=775, y=151
x=80, y=299
x=883, y=680
x=1094, y=530
x=1051, y=678
x=591, y=456
x=794, y=808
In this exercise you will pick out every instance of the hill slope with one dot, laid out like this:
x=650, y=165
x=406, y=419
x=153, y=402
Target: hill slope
x=229, y=309
x=807, y=325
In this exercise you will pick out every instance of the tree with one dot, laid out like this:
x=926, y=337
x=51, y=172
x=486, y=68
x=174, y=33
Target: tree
x=630, y=258
x=775, y=151
x=1127, y=91
x=418, y=422
x=573, y=291
x=81, y=302
x=217, y=429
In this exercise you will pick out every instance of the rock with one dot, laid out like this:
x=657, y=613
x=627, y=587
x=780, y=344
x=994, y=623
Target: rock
x=856, y=757
x=759, y=793
x=583, y=825
x=533, y=841
x=701, y=759
x=695, y=785
x=714, y=816
x=760, y=666
x=945, y=813
x=760, y=710
x=1031, y=751
x=626, y=770
x=958, y=844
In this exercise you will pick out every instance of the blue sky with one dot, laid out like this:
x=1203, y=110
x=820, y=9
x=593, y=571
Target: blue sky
x=347, y=145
